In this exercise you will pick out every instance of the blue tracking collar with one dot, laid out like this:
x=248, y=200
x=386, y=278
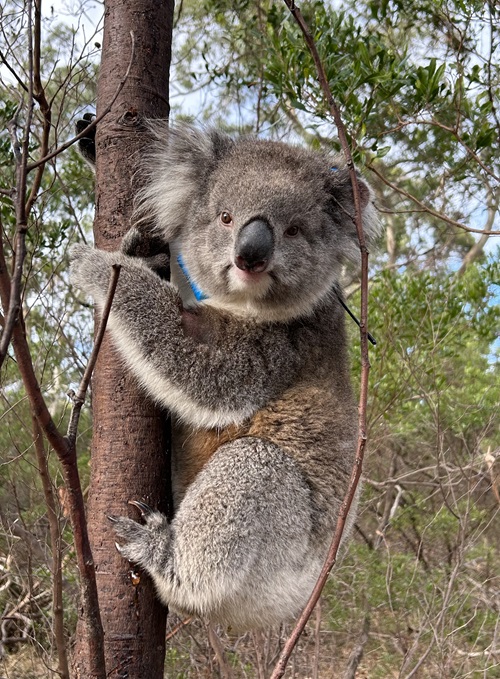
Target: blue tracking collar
x=199, y=295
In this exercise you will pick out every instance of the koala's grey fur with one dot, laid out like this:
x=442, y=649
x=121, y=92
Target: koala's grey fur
x=257, y=375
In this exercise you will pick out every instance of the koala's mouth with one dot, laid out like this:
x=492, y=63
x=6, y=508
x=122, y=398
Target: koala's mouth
x=248, y=283
x=253, y=275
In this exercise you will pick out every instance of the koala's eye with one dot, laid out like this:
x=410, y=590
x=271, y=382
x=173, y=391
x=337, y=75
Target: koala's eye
x=226, y=218
x=292, y=231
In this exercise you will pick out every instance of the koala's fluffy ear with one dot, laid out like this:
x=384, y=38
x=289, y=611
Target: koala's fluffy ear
x=176, y=168
x=341, y=208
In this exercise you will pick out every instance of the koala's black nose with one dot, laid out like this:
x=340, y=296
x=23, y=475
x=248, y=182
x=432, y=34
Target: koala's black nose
x=254, y=246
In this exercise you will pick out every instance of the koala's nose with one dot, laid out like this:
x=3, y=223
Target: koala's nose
x=254, y=246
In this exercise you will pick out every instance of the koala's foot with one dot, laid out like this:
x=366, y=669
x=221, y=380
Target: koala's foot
x=148, y=544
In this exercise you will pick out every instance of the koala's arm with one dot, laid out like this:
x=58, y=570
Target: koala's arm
x=211, y=385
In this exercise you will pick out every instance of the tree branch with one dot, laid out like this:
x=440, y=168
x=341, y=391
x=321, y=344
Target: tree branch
x=478, y=247
x=365, y=364
x=450, y=130
x=55, y=543
x=79, y=397
x=39, y=96
x=13, y=309
x=429, y=210
x=96, y=120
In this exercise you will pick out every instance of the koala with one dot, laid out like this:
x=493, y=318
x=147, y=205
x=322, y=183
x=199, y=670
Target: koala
x=247, y=349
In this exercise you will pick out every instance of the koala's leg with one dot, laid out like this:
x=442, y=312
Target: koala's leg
x=241, y=548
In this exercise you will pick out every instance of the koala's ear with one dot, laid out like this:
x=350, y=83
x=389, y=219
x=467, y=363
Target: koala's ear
x=341, y=209
x=176, y=170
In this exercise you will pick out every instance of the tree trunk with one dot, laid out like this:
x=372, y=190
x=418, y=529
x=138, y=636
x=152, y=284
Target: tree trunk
x=130, y=440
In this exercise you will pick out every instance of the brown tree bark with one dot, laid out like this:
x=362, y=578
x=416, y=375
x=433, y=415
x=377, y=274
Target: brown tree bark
x=130, y=440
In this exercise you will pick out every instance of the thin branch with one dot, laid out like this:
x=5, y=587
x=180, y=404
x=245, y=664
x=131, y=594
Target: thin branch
x=67, y=456
x=331, y=558
x=55, y=543
x=79, y=397
x=96, y=120
x=478, y=247
x=429, y=210
x=178, y=628
x=13, y=310
x=76, y=506
x=10, y=193
x=450, y=130
x=9, y=67
x=491, y=4
x=224, y=669
x=358, y=650
x=39, y=96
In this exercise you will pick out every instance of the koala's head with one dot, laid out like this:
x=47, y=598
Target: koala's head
x=263, y=227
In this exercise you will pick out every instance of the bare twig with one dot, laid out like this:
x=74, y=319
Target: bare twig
x=178, y=628
x=55, y=541
x=429, y=210
x=79, y=397
x=13, y=309
x=96, y=120
x=9, y=67
x=225, y=671
x=358, y=650
x=39, y=96
x=365, y=364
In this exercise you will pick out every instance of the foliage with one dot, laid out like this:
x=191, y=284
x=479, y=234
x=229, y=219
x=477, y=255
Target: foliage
x=418, y=84
x=56, y=327
x=425, y=125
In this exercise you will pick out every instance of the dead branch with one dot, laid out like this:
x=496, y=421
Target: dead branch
x=55, y=541
x=429, y=210
x=96, y=120
x=178, y=628
x=79, y=397
x=358, y=650
x=225, y=671
x=365, y=363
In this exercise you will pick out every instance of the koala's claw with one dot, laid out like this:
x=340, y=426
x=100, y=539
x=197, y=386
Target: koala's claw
x=142, y=507
x=142, y=543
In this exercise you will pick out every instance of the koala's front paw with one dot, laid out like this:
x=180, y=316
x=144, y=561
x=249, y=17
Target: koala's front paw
x=91, y=269
x=148, y=544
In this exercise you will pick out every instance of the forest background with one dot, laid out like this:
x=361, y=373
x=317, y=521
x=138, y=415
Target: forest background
x=417, y=594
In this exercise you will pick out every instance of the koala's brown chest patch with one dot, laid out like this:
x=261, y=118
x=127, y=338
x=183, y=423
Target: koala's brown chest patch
x=299, y=418
x=196, y=447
